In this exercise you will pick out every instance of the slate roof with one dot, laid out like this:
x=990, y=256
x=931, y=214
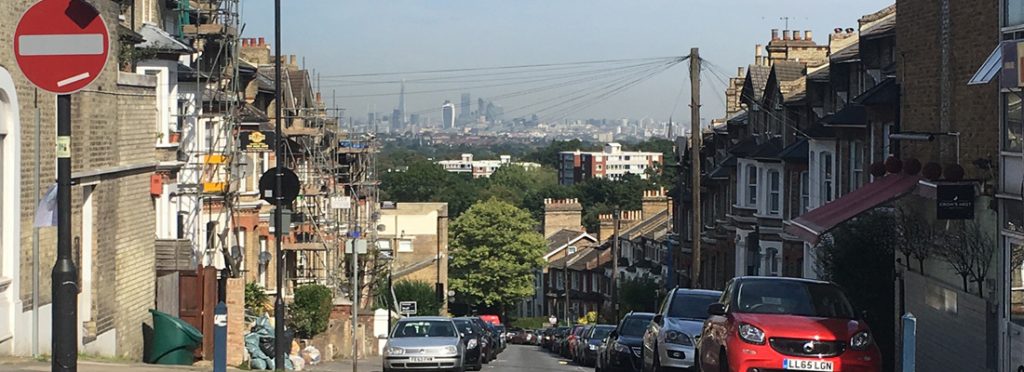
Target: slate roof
x=852, y=114
x=159, y=40
x=739, y=119
x=884, y=93
x=788, y=70
x=795, y=152
x=744, y=148
x=821, y=131
x=758, y=77
x=769, y=150
x=819, y=75
x=885, y=27
x=848, y=54
x=561, y=238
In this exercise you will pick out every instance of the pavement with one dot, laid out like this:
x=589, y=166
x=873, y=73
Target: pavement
x=516, y=358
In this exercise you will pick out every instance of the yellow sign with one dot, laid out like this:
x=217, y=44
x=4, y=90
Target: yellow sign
x=64, y=146
x=254, y=142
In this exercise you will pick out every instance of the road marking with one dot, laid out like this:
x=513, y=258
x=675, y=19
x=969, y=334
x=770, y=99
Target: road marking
x=60, y=44
x=73, y=79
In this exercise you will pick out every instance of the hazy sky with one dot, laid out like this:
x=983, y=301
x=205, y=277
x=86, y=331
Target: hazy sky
x=352, y=37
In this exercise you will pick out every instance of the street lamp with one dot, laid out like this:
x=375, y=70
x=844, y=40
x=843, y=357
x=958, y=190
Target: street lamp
x=928, y=137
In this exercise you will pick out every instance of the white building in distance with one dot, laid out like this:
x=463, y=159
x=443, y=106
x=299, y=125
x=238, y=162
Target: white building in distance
x=481, y=168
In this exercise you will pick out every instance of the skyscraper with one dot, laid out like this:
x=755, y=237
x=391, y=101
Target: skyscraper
x=396, y=121
x=466, y=110
x=401, y=104
x=448, y=113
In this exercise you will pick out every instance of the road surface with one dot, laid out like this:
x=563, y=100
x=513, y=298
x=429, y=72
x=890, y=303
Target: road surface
x=516, y=358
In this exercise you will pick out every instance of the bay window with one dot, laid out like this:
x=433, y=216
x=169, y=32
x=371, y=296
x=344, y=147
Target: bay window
x=826, y=177
x=1014, y=13
x=751, y=185
x=856, y=164
x=805, y=189
x=1013, y=134
x=774, y=192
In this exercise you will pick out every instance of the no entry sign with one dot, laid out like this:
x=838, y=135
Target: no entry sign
x=61, y=45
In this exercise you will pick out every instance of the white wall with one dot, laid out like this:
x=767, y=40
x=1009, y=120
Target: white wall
x=10, y=213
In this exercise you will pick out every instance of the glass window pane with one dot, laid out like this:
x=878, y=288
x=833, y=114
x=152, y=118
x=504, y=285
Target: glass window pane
x=1012, y=134
x=1013, y=214
x=1014, y=12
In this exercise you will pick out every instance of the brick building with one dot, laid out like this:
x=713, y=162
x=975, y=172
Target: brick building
x=113, y=216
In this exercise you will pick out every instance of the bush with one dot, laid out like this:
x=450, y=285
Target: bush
x=257, y=301
x=311, y=310
x=420, y=291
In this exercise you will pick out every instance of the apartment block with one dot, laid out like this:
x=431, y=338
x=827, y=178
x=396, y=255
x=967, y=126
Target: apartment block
x=611, y=163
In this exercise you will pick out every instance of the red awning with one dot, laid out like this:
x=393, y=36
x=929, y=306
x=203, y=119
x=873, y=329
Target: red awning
x=811, y=225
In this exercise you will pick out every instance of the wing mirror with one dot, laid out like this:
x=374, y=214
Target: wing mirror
x=613, y=335
x=716, y=308
x=658, y=319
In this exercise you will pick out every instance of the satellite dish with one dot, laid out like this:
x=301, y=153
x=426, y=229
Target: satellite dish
x=265, y=258
x=381, y=227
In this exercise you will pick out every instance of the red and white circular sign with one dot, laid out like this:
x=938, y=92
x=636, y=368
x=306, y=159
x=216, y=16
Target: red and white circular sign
x=61, y=45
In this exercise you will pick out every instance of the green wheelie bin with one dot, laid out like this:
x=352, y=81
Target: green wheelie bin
x=173, y=342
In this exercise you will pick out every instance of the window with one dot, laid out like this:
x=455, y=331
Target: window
x=1014, y=13
x=826, y=176
x=575, y=280
x=405, y=246
x=774, y=192
x=856, y=164
x=805, y=188
x=264, y=260
x=1013, y=132
x=771, y=261
x=572, y=249
x=751, y=185
x=886, y=142
x=1013, y=215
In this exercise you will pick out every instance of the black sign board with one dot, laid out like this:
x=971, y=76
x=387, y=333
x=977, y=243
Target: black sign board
x=407, y=307
x=955, y=202
x=256, y=141
x=289, y=186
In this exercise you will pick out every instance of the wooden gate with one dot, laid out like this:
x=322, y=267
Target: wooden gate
x=197, y=297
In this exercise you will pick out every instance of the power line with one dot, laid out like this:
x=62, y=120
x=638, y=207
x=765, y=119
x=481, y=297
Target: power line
x=497, y=67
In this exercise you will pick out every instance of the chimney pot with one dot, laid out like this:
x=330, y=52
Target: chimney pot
x=838, y=30
x=263, y=41
x=775, y=34
x=808, y=35
x=739, y=72
x=785, y=35
x=850, y=30
x=292, y=60
x=796, y=35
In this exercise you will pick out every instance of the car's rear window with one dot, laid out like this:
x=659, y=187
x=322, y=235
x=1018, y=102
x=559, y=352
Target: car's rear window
x=425, y=328
x=634, y=326
x=691, y=306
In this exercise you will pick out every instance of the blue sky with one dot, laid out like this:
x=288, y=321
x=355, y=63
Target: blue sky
x=351, y=37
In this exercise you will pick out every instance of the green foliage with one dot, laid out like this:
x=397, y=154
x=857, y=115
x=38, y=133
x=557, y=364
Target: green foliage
x=420, y=291
x=495, y=250
x=257, y=302
x=530, y=323
x=860, y=258
x=638, y=294
x=311, y=309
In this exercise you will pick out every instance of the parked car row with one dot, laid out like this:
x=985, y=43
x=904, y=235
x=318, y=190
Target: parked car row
x=755, y=324
x=433, y=343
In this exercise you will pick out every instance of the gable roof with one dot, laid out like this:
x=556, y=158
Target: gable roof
x=564, y=238
x=788, y=70
x=753, y=85
x=159, y=40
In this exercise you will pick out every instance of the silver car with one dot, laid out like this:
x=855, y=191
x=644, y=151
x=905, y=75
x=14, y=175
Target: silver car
x=670, y=340
x=424, y=344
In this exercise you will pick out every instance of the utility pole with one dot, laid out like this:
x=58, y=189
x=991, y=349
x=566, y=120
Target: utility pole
x=615, y=265
x=279, y=155
x=695, y=143
x=565, y=277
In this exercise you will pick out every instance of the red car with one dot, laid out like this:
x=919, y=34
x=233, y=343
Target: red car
x=779, y=324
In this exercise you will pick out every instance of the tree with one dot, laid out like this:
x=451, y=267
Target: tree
x=420, y=291
x=859, y=257
x=257, y=302
x=422, y=182
x=968, y=249
x=917, y=236
x=310, y=310
x=1016, y=256
x=638, y=294
x=494, y=253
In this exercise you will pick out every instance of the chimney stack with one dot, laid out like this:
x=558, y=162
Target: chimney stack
x=808, y=35
x=775, y=34
x=757, y=54
x=740, y=72
x=796, y=35
x=292, y=60
x=785, y=35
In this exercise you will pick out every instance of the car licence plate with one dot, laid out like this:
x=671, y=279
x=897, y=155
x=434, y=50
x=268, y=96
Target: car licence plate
x=427, y=359
x=807, y=365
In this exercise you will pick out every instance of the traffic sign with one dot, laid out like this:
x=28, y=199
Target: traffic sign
x=61, y=45
x=289, y=186
x=407, y=307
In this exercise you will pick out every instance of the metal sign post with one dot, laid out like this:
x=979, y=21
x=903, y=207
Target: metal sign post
x=220, y=337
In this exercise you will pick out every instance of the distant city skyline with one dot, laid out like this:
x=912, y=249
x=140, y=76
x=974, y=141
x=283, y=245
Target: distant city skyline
x=470, y=34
